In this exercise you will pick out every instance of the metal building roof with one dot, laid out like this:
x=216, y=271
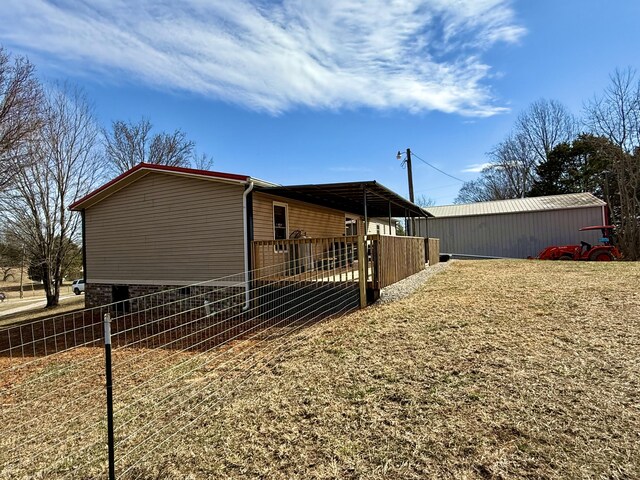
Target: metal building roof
x=532, y=204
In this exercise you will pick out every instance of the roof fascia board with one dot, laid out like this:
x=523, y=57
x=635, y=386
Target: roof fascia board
x=135, y=174
x=107, y=190
x=420, y=210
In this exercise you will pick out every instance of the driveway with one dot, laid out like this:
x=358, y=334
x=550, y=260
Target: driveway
x=31, y=304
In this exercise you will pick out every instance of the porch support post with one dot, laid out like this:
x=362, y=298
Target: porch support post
x=363, y=270
x=406, y=224
x=366, y=217
x=389, y=218
x=426, y=226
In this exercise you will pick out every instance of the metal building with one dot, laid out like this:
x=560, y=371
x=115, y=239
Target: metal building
x=514, y=228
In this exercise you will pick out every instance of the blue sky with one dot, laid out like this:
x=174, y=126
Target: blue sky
x=300, y=91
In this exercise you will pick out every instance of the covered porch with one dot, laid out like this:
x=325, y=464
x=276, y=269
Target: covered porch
x=372, y=262
x=352, y=258
x=369, y=199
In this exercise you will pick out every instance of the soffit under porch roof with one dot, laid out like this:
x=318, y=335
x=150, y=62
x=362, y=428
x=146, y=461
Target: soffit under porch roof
x=350, y=197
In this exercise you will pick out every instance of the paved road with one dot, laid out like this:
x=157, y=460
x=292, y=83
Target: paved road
x=31, y=304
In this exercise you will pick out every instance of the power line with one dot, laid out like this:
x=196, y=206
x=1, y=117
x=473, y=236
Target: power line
x=438, y=187
x=436, y=168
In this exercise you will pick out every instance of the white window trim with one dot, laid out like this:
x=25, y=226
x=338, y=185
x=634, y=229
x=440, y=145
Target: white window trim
x=355, y=218
x=273, y=222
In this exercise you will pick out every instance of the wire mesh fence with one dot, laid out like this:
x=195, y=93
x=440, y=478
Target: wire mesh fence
x=175, y=356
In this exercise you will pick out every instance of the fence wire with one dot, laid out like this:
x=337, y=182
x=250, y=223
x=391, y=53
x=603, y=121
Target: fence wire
x=176, y=355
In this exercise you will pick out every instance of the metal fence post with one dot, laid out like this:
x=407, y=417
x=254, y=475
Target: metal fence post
x=363, y=270
x=109, y=384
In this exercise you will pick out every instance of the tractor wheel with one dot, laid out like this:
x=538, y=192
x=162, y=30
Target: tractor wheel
x=565, y=257
x=601, y=257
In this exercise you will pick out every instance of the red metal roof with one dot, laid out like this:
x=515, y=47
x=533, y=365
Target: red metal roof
x=160, y=168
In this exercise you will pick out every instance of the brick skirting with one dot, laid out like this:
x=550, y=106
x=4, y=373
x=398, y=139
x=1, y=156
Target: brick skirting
x=97, y=294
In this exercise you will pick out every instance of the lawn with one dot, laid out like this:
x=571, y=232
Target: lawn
x=31, y=307
x=492, y=369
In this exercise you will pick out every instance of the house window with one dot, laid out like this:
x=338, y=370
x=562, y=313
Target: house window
x=280, y=227
x=350, y=226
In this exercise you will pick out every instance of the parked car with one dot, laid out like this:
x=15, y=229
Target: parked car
x=78, y=286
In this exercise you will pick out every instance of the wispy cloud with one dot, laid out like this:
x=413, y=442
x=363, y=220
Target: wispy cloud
x=416, y=55
x=475, y=167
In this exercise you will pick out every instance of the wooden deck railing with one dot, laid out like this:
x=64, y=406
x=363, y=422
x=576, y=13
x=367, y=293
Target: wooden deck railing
x=304, y=256
x=386, y=259
x=433, y=250
x=397, y=257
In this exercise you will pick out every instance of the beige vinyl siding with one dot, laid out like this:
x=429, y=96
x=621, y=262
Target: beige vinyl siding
x=383, y=223
x=313, y=220
x=166, y=228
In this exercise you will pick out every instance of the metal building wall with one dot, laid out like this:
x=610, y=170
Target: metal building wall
x=512, y=235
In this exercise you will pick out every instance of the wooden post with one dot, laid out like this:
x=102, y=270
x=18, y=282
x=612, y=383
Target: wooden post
x=426, y=251
x=362, y=270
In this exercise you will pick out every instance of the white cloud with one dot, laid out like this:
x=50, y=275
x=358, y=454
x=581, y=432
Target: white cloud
x=416, y=55
x=475, y=167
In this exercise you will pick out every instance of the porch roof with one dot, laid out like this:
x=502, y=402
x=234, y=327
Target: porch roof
x=350, y=197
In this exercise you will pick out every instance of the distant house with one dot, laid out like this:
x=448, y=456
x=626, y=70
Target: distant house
x=156, y=227
x=514, y=228
x=382, y=226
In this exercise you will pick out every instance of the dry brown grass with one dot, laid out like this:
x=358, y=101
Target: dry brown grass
x=491, y=370
x=30, y=289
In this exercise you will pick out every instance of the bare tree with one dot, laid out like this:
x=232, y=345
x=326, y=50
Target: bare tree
x=627, y=170
x=537, y=131
x=543, y=125
x=616, y=116
x=202, y=161
x=128, y=144
x=20, y=113
x=10, y=258
x=510, y=174
x=64, y=167
x=514, y=164
x=171, y=149
x=491, y=185
x=424, y=201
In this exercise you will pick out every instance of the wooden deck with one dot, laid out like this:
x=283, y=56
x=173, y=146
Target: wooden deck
x=388, y=259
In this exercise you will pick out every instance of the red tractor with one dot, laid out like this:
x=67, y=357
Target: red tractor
x=604, y=252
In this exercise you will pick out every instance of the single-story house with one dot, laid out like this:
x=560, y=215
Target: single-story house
x=382, y=226
x=515, y=228
x=156, y=227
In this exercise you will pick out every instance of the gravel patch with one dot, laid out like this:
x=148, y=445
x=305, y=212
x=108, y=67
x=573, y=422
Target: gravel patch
x=406, y=287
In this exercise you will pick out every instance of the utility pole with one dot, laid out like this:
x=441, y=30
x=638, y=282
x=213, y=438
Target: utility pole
x=410, y=227
x=409, y=171
x=410, y=174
